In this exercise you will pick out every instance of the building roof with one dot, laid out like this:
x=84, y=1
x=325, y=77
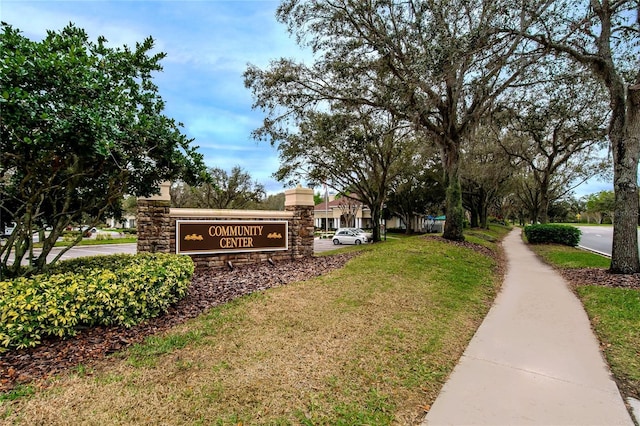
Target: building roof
x=332, y=204
x=323, y=205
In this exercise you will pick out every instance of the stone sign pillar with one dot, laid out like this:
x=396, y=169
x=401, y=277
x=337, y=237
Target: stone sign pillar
x=299, y=201
x=154, y=223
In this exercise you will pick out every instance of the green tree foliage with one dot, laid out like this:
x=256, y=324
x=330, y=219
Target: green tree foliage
x=130, y=205
x=604, y=37
x=486, y=175
x=437, y=65
x=560, y=211
x=233, y=190
x=601, y=205
x=556, y=139
x=222, y=190
x=358, y=152
x=82, y=124
x=418, y=190
x=273, y=202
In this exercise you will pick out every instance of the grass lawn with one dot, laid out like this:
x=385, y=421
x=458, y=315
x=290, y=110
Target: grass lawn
x=92, y=242
x=371, y=343
x=614, y=314
x=569, y=257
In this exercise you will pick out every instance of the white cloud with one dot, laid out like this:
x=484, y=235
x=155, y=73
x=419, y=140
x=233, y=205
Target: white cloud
x=592, y=186
x=35, y=18
x=208, y=46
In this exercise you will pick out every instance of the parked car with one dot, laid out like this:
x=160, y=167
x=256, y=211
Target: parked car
x=358, y=231
x=87, y=232
x=346, y=236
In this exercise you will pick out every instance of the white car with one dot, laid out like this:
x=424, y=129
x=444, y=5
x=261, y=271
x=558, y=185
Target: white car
x=346, y=236
x=358, y=231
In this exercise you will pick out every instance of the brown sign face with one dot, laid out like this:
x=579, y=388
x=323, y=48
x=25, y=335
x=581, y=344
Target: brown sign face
x=225, y=236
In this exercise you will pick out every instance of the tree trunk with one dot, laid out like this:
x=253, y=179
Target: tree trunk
x=544, y=201
x=483, y=215
x=375, y=218
x=475, y=218
x=483, y=208
x=453, y=227
x=406, y=218
x=470, y=202
x=624, y=134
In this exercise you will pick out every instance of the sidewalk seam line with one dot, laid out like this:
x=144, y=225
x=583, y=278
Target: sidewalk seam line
x=499, y=364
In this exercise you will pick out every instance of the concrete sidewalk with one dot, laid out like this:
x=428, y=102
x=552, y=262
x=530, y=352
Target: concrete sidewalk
x=533, y=361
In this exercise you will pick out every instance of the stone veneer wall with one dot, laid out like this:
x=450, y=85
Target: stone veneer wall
x=154, y=223
x=157, y=227
x=301, y=230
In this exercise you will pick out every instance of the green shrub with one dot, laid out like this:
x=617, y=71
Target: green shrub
x=497, y=220
x=70, y=235
x=552, y=233
x=83, y=264
x=103, y=290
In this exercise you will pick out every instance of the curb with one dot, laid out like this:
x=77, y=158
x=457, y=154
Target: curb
x=601, y=253
x=635, y=408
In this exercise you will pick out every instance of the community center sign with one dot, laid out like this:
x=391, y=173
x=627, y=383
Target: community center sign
x=225, y=236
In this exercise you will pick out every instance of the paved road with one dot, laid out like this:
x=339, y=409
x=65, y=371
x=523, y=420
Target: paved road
x=80, y=251
x=105, y=249
x=325, y=244
x=598, y=238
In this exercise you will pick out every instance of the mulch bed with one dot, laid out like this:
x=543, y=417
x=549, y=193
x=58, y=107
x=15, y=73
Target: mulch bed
x=209, y=288
x=499, y=256
x=601, y=277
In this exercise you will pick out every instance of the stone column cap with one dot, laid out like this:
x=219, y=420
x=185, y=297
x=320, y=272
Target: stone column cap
x=163, y=195
x=299, y=197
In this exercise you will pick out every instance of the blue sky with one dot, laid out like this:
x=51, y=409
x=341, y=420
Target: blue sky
x=208, y=44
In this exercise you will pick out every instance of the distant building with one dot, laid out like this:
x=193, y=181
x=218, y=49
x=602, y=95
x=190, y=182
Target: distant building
x=342, y=213
x=349, y=213
x=127, y=221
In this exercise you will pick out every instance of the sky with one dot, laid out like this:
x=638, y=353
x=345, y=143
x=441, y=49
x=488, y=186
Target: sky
x=209, y=44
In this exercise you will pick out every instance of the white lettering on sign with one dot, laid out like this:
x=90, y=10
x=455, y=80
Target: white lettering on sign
x=235, y=230
x=236, y=242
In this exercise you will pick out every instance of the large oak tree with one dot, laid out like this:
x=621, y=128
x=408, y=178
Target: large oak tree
x=361, y=151
x=557, y=139
x=486, y=176
x=604, y=37
x=438, y=65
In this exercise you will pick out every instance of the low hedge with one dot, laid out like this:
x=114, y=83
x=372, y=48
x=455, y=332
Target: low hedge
x=103, y=290
x=553, y=233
